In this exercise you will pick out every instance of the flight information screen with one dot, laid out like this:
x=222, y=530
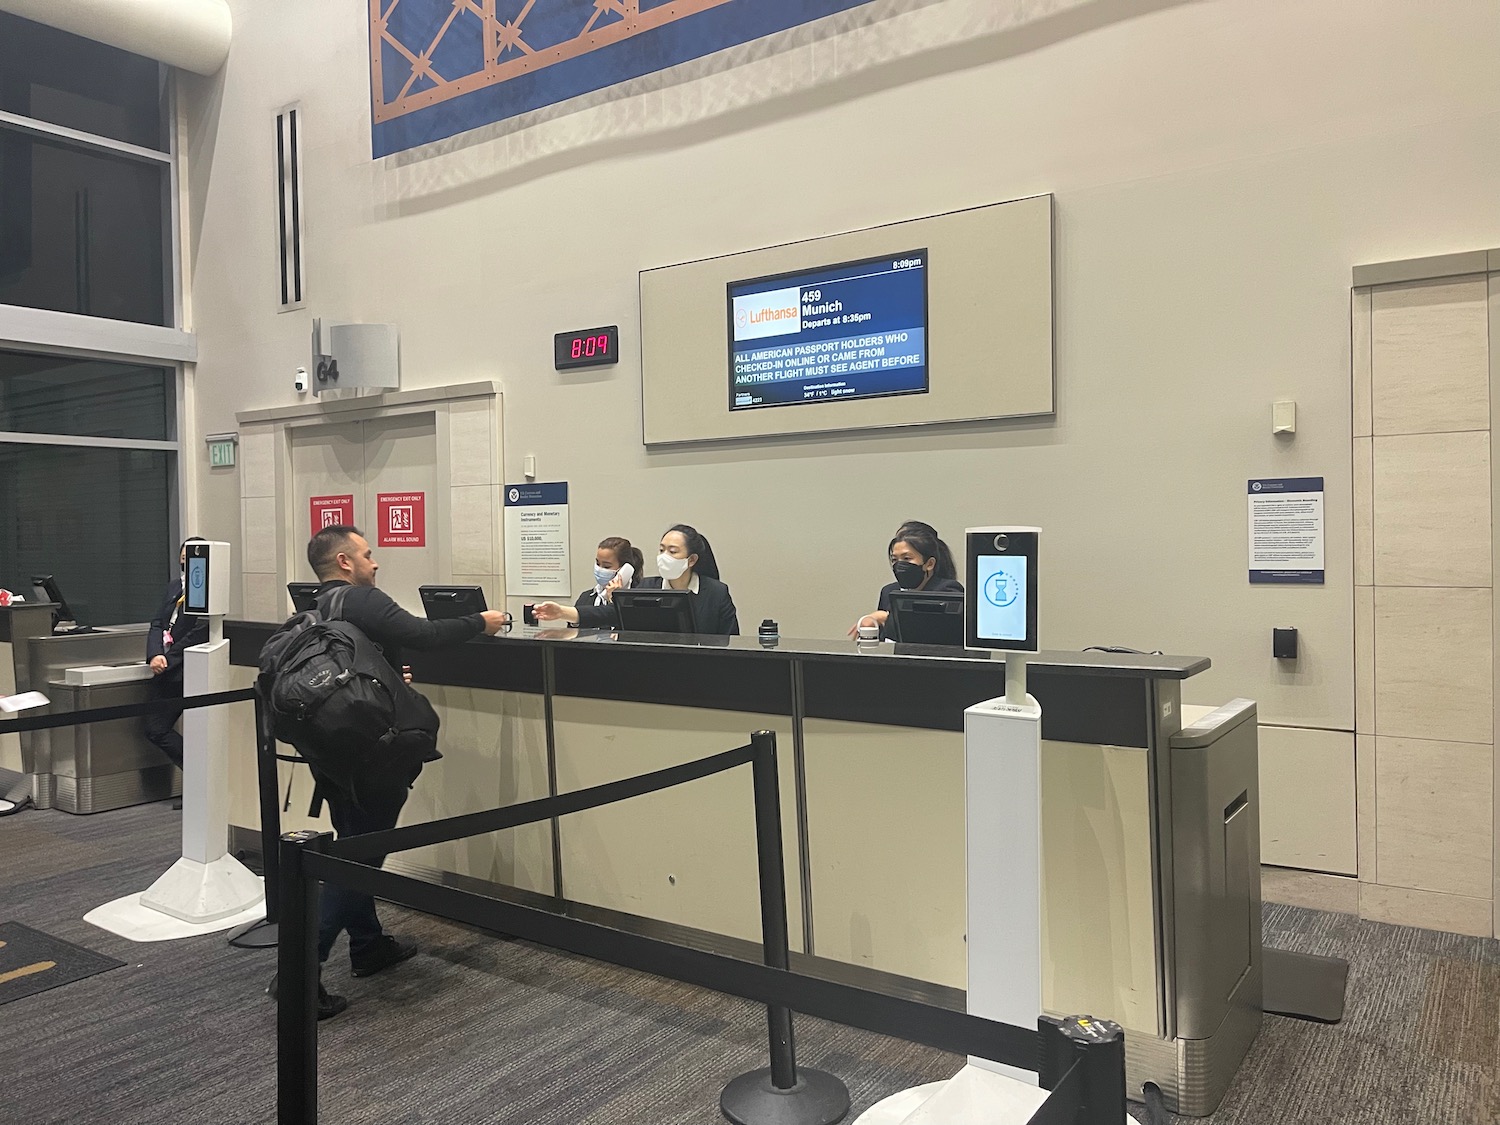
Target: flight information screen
x=852, y=330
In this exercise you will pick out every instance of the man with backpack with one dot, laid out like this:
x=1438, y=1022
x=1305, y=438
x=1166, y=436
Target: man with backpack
x=369, y=798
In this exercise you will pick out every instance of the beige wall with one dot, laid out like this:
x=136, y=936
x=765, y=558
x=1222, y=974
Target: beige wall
x=1425, y=612
x=1217, y=168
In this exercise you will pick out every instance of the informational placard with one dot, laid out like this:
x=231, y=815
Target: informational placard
x=401, y=519
x=330, y=511
x=1286, y=530
x=536, y=539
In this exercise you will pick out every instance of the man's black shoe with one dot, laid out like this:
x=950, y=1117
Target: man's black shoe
x=386, y=951
x=329, y=1005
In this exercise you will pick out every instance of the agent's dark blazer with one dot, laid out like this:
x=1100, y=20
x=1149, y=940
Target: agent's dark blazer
x=191, y=630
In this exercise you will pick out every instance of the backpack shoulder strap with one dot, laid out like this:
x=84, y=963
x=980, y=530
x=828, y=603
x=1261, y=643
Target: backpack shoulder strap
x=331, y=604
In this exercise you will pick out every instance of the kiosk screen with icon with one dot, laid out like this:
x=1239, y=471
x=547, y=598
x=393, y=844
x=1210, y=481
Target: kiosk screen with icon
x=197, y=584
x=1000, y=584
x=1001, y=598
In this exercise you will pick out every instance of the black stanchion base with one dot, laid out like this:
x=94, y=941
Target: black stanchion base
x=818, y=1098
x=258, y=934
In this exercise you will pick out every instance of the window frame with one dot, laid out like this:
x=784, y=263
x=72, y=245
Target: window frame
x=79, y=336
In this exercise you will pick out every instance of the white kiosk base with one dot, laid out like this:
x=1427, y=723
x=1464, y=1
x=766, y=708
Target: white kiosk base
x=207, y=886
x=1002, y=807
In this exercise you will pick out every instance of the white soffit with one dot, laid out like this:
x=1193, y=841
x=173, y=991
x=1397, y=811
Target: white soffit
x=190, y=34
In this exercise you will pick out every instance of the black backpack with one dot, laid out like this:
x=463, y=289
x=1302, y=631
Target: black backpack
x=331, y=693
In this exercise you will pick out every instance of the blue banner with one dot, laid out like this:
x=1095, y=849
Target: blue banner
x=442, y=67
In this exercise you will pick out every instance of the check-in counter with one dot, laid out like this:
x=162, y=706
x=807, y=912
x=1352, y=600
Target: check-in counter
x=83, y=769
x=871, y=748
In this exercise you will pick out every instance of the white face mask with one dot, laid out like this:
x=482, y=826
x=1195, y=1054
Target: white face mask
x=603, y=576
x=670, y=567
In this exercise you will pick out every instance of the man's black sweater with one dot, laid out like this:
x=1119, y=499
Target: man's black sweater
x=392, y=628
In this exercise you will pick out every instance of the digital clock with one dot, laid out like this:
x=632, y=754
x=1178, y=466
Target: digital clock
x=590, y=347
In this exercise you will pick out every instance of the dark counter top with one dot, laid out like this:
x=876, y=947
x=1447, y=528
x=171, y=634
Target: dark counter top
x=1053, y=661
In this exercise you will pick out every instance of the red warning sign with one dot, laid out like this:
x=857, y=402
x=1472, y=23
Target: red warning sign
x=402, y=519
x=330, y=511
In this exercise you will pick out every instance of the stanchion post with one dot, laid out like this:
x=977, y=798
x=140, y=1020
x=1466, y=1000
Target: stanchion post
x=297, y=984
x=1098, y=1046
x=270, y=809
x=773, y=925
x=780, y=1094
x=262, y=933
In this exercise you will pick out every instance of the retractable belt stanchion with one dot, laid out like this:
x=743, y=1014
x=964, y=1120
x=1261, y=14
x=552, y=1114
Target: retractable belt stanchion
x=297, y=983
x=262, y=933
x=779, y=1094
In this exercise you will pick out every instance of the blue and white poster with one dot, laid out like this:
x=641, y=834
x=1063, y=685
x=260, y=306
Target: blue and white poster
x=1286, y=530
x=537, y=540
x=442, y=67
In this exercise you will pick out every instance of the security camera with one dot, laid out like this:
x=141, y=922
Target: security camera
x=301, y=379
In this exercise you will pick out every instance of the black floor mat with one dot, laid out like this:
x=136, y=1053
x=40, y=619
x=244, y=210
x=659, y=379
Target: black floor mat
x=31, y=962
x=1304, y=985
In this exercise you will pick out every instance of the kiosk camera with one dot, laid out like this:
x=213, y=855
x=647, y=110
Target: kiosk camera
x=1000, y=583
x=205, y=582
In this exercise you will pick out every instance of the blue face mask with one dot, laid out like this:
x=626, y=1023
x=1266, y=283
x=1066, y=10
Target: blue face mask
x=603, y=577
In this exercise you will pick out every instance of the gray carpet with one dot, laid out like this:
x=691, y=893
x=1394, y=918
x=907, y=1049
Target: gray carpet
x=477, y=1031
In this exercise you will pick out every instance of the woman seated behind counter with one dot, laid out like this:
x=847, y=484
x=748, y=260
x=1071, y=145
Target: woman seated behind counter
x=687, y=562
x=919, y=561
x=616, y=566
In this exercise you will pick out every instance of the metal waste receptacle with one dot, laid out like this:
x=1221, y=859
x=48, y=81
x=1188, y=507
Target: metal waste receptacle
x=100, y=766
x=1216, y=911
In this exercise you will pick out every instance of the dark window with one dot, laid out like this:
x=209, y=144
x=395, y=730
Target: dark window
x=80, y=231
x=42, y=394
x=99, y=520
x=67, y=80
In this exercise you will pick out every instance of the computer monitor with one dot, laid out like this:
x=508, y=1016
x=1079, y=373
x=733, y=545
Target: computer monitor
x=654, y=611
x=445, y=602
x=304, y=595
x=919, y=618
x=44, y=586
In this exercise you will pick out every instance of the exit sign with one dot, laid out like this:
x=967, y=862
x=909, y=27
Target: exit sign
x=221, y=453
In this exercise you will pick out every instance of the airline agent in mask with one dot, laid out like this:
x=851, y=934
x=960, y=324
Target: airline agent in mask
x=919, y=561
x=686, y=562
x=616, y=566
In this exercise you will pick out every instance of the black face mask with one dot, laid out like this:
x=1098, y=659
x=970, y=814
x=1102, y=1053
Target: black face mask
x=909, y=575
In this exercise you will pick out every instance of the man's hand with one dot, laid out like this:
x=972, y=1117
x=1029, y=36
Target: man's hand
x=494, y=621
x=158, y=665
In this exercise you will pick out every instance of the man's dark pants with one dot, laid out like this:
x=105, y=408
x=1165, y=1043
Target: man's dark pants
x=344, y=909
x=161, y=725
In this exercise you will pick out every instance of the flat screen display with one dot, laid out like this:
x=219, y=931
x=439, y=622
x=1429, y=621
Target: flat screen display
x=1000, y=600
x=852, y=330
x=197, y=584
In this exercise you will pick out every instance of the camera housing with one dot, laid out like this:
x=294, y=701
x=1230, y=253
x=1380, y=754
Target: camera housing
x=300, y=379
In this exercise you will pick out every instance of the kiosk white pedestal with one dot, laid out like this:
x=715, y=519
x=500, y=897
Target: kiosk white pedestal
x=207, y=889
x=207, y=884
x=1002, y=804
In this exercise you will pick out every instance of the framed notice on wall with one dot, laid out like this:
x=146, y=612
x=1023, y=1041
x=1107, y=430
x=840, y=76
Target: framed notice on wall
x=537, y=540
x=1286, y=530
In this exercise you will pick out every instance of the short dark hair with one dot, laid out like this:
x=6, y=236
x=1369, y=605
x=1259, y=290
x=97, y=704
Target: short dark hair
x=323, y=549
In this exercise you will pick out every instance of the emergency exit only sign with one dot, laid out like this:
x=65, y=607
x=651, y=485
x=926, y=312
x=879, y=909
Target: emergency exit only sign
x=401, y=519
